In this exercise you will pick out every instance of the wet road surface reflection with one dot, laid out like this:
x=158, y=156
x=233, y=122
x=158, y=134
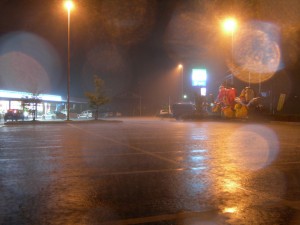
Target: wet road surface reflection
x=150, y=171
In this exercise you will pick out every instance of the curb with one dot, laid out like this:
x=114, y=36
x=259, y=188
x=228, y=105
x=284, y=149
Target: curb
x=39, y=122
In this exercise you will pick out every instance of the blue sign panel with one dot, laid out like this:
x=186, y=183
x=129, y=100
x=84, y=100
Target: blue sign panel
x=199, y=77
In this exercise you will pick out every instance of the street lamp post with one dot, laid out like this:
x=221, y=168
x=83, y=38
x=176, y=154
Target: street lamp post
x=229, y=26
x=69, y=5
x=180, y=66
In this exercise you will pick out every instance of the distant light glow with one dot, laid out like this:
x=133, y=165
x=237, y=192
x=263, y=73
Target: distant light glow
x=203, y=91
x=69, y=5
x=230, y=210
x=230, y=25
x=199, y=150
x=199, y=77
x=20, y=71
x=230, y=185
x=28, y=63
x=56, y=98
x=253, y=147
x=199, y=168
x=10, y=94
x=257, y=53
x=20, y=95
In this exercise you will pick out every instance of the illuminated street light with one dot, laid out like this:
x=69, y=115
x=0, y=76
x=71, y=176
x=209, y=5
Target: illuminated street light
x=180, y=66
x=229, y=26
x=69, y=6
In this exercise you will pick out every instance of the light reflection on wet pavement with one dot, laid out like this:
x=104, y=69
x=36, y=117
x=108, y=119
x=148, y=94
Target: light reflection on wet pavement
x=150, y=171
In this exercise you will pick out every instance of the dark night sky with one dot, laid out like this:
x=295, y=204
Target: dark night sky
x=136, y=45
x=120, y=42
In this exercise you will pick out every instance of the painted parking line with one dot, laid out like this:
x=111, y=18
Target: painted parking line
x=127, y=145
x=206, y=217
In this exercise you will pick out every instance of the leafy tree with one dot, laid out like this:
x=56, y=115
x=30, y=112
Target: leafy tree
x=97, y=98
x=30, y=104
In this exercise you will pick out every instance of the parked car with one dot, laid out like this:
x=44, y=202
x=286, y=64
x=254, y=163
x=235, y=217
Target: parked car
x=72, y=114
x=86, y=114
x=164, y=113
x=183, y=110
x=14, y=115
x=52, y=115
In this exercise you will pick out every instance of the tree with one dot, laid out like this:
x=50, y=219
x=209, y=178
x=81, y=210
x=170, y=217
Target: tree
x=98, y=97
x=30, y=104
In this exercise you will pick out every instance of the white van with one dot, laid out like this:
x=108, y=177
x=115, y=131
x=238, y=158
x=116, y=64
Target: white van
x=86, y=114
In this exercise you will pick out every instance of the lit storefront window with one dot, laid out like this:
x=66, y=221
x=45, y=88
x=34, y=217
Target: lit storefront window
x=4, y=106
x=16, y=105
x=13, y=100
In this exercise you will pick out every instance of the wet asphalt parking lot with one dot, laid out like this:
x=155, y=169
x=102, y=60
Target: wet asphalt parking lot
x=150, y=171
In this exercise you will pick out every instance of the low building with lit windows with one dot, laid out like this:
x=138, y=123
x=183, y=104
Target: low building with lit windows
x=47, y=102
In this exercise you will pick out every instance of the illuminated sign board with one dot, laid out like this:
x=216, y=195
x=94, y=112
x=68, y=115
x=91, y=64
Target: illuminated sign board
x=203, y=91
x=20, y=95
x=199, y=77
